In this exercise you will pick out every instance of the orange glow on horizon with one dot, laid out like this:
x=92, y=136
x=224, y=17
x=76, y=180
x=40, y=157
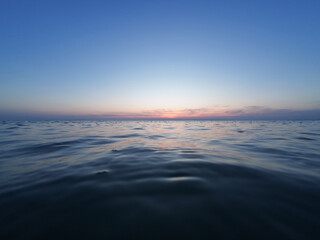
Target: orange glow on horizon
x=196, y=113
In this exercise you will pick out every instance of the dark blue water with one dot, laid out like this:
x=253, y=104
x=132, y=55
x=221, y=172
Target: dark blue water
x=160, y=180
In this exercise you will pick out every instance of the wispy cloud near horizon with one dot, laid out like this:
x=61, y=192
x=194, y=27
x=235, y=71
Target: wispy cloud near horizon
x=222, y=113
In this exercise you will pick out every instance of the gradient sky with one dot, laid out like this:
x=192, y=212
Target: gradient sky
x=159, y=58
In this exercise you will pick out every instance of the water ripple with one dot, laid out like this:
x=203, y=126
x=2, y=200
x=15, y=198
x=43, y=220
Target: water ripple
x=160, y=180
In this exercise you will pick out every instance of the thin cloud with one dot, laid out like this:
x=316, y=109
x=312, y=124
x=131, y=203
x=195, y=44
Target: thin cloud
x=247, y=112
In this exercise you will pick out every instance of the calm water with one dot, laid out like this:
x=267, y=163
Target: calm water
x=160, y=180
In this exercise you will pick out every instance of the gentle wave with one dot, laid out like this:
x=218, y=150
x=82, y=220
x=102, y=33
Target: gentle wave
x=160, y=180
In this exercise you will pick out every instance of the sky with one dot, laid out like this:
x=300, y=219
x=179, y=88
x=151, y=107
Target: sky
x=159, y=59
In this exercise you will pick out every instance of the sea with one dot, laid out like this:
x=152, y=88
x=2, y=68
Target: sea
x=160, y=179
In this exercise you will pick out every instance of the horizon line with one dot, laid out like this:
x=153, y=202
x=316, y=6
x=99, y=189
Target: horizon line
x=245, y=113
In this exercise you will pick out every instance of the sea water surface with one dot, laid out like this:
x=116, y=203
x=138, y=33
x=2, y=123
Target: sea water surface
x=160, y=180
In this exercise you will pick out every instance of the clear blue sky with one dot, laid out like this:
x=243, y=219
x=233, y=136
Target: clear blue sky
x=159, y=58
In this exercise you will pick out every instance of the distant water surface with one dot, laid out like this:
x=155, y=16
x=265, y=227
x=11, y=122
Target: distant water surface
x=160, y=180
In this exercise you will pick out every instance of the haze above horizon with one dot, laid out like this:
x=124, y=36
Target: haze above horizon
x=159, y=59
